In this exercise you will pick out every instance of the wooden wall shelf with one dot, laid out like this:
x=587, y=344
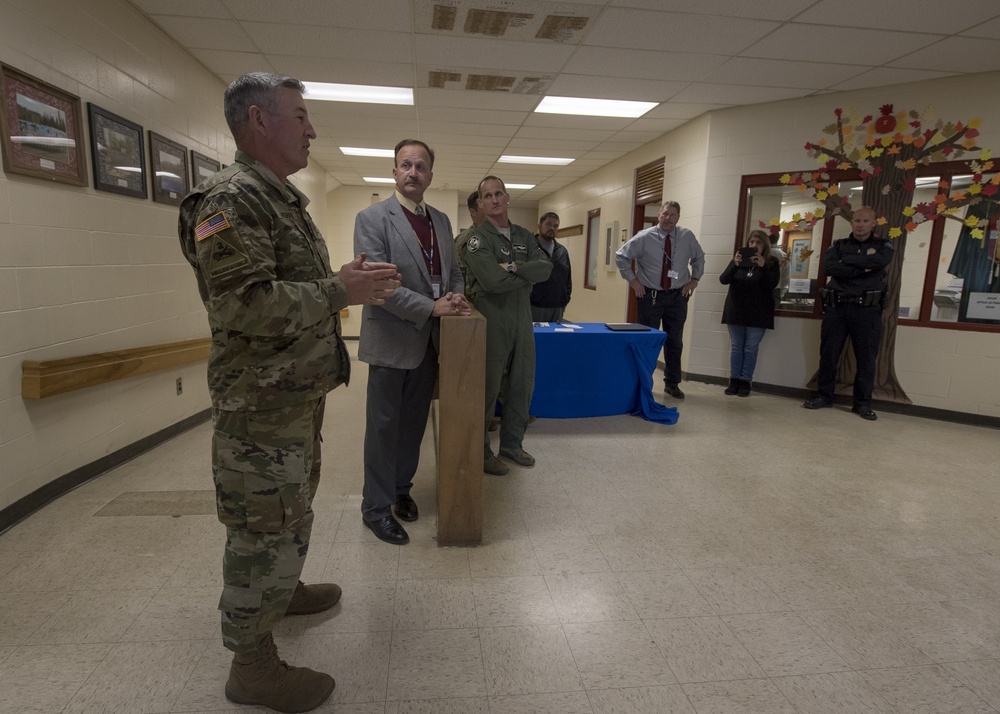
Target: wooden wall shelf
x=46, y=378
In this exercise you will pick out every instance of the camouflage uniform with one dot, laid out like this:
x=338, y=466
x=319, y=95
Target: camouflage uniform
x=273, y=305
x=504, y=299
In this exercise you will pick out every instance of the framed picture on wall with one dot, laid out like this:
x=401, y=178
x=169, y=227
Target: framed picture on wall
x=168, y=162
x=117, y=152
x=202, y=167
x=42, y=130
x=799, y=249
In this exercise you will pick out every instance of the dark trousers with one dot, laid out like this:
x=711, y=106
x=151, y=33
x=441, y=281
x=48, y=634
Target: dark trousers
x=667, y=308
x=398, y=403
x=864, y=326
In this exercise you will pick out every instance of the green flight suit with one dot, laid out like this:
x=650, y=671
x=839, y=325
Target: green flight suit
x=273, y=306
x=504, y=299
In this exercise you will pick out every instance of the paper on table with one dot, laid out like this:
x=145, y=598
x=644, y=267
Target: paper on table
x=571, y=326
x=563, y=329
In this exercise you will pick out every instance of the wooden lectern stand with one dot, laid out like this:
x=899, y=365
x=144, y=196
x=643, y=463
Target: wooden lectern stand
x=460, y=412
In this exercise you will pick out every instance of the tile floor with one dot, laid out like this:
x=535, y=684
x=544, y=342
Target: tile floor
x=755, y=557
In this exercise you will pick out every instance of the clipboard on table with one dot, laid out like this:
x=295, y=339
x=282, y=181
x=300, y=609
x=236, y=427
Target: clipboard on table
x=626, y=327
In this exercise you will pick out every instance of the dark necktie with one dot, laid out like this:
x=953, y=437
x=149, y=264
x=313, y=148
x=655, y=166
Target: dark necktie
x=419, y=210
x=664, y=277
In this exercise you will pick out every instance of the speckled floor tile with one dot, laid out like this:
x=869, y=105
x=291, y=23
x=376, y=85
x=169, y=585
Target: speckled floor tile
x=44, y=678
x=745, y=696
x=702, y=649
x=362, y=561
x=528, y=660
x=783, y=644
x=833, y=693
x=938, y=633
x=178, y=614
x=427, y=560
x=436, y=664
x=504, y=558
x=513, y=601
x=434, y=604
x=863, y=639
x=613, y=655
x=358, y=661
x=24, y=612
x=733, y=591
x=590, y=597
x=982, y=676
x=641, y=700
x=925, y=690
x=657, y=594
x=553, y=703
x=472, y=705
x=138, y=675
x=576, y=554
x=632, y=551
x=93, y=616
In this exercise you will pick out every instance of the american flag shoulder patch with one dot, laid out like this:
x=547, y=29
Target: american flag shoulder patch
x=212, y=225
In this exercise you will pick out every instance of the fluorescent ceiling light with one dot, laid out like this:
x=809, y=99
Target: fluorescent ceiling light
x=526, y=186
x=593, y=107
x=376, y=179
x=328, y=92
x=543, y=160
x=356, y=151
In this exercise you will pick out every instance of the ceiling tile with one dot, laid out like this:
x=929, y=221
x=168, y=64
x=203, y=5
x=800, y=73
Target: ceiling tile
x=642, y=64
x=780, y=73
x=882, y=76
x=704, y=92
x=770, y=10
x=209, y=34
x=379, y=46
x=536, y=57
x=344, y=71
x=235, y=63
x=990, y=30
x=916, y=16
x=797, y=42
x=184, y=8
x=955, y=54
x=370, y=14
x=645, y=90
x=677, y=32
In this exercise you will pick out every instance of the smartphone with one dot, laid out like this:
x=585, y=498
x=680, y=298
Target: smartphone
x=747, y=254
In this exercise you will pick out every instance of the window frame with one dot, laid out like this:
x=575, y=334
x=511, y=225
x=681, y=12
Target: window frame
x=946, y=170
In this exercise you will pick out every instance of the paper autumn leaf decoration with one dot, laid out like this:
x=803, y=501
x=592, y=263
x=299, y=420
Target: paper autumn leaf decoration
x=896, y=144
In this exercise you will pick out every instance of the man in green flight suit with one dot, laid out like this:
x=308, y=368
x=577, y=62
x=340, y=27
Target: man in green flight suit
x=273, y=306
x=503, y=261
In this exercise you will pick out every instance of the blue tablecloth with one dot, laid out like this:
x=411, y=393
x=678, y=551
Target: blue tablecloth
x=594, y=371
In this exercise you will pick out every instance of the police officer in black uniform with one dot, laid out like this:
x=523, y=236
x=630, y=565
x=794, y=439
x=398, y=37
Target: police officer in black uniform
x=852, y=306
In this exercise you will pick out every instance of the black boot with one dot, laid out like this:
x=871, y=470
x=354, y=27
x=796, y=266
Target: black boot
x=734, y=386
x=743, y=388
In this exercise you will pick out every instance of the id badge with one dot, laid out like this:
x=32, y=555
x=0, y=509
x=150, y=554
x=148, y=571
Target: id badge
x=436, y=286
x=672, y=274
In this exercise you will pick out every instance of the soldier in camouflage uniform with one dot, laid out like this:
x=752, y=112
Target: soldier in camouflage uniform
x=273, y=306
x=503, y=261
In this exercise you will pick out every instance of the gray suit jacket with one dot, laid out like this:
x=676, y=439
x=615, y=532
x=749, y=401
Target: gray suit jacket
x=395, y=334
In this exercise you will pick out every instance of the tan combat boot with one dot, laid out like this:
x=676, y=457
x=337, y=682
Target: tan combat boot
x=260, y=677
x=308, y=599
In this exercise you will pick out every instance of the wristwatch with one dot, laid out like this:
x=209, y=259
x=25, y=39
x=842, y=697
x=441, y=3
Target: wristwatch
x=510, y=267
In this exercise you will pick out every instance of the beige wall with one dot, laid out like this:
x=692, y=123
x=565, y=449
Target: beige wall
x=85, y=271
x=705, y=159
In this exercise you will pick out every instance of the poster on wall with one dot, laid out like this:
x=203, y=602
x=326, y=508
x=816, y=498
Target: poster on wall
x=117, y=152
x=42, y=130
x=168, y=162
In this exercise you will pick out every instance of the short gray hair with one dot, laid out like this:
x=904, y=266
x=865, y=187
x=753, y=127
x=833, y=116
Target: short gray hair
x=673, y=204
x=254, y=88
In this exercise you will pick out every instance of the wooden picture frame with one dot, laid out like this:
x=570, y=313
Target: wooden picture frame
x=202, y=167
x=118, y=153
x=42, y=129
x=168, y=164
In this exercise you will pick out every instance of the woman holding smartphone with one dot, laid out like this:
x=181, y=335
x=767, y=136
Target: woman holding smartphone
x=751, y=275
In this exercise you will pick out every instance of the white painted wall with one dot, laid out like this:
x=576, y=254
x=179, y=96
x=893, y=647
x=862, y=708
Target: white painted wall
x=85, y=271
x=705, y=159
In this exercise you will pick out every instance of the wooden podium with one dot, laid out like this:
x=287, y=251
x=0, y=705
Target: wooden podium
x=459, y=429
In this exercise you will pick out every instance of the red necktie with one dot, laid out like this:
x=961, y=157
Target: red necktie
x=664, y=277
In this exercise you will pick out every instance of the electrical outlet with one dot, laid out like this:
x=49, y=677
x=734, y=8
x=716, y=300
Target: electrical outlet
x=180, y=387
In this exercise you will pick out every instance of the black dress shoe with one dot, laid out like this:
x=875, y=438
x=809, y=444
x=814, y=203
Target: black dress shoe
x=817, y=403
x=387, y=529
x=673, y=390
x=405, y=508
x=865, y=413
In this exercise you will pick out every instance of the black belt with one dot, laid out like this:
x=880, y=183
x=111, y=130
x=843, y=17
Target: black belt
x=850, y=299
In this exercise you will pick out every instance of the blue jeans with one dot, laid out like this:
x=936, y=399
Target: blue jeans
x=743, y=358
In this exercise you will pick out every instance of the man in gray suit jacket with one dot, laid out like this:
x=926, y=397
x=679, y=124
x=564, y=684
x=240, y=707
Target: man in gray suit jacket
x=399, y=339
